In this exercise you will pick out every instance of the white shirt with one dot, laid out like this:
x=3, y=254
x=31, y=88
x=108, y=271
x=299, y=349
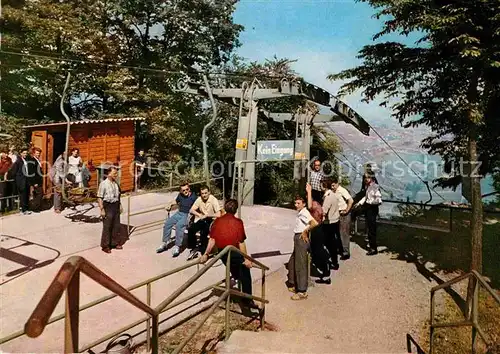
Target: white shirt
x=343, y=196
x=209, y=208
x=73, y=165
x=373, y=195
x=302, y=220
x=109, y=191
x=13, y=158
x=331, y=207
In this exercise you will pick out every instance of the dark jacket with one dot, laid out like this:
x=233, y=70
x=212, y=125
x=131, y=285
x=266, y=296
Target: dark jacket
x=35, y=172
x=20, y=174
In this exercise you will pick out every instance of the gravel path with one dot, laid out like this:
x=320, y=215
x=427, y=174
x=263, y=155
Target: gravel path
x=371, y=305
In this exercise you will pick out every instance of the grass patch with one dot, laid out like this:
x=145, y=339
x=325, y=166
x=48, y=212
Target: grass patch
x=458, y=340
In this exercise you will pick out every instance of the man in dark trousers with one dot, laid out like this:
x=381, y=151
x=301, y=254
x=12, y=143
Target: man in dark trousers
x=36, y=179
x=21, y=177
x=361, y=210
x=228, y=230
x=109, y=202
x=205, y=209
x=140, y=165
x=316, y=176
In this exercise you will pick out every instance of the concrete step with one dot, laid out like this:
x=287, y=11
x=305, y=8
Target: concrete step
x=245, y=342
x=295, y=342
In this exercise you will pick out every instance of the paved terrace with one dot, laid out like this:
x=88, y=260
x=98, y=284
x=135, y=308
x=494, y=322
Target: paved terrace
x=370, y=306
x=44, y=241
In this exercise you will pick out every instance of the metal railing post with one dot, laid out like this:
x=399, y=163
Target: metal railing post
x=233, y=184
x=171, y=179
x=155, y=334
x=224, y=190
x=128, y=215
x=475, y=308
x=451, y=219
x=240, y=190
x=72, y=315
x=148, y=322
x=135, y=177
x=263, y=295
x=431, y=337
x=228, y=300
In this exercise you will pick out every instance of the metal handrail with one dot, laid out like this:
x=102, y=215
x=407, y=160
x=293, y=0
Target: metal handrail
x=166, y=189
x=68, y=278
x=162, y=206
x=447, y=229
x=202, y=271
x=472, y=321
x=439, y=206
x=47, y=304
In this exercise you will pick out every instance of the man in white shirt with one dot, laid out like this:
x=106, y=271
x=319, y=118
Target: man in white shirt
x=298, y=277
x=332, y=222
x=372, y=200
x=205, y=209
x=345, y=205
x=108, y=197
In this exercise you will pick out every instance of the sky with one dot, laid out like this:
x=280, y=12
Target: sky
x=323, y=35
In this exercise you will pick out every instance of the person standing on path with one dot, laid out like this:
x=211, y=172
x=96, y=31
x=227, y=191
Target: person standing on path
x=332, y=222
x=372, y=200
x=75, y=166
x=228, y=230
x=316, y=176
x=298, y=277
x=21, y=177
x=36, y=179
x=140, y=165
x=109, y=202
x=319, y=256
x=205, y=209
x=57, y=175
x=345, y=205
x=184, y=201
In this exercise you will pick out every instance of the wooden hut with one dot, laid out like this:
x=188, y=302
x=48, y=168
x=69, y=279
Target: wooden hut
x=102, y=142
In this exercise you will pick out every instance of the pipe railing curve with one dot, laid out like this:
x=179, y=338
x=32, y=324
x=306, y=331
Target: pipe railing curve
x=47, y=304
x=67, y=280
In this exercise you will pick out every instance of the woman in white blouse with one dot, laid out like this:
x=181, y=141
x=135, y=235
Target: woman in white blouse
x=74, y=166
x=371, y=200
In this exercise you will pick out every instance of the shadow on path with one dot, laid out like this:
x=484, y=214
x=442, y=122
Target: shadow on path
x=28, y=263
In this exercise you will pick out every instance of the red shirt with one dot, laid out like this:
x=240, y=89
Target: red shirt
x=316, y=212
x=5, y=165
x=227, y=230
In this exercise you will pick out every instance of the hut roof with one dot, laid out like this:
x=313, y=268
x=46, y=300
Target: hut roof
x=84, y=121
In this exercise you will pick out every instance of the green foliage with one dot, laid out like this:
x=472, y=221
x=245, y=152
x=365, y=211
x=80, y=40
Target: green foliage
x=449, y=80
x=13, y=127
x=102, y=41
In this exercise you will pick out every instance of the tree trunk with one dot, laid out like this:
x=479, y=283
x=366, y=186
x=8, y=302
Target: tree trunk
x=476, y=221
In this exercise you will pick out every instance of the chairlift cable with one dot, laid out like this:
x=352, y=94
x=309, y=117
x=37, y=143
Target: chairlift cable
x=349, y=163
x=159, y=71
x=401, y=158
x=351, y=146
